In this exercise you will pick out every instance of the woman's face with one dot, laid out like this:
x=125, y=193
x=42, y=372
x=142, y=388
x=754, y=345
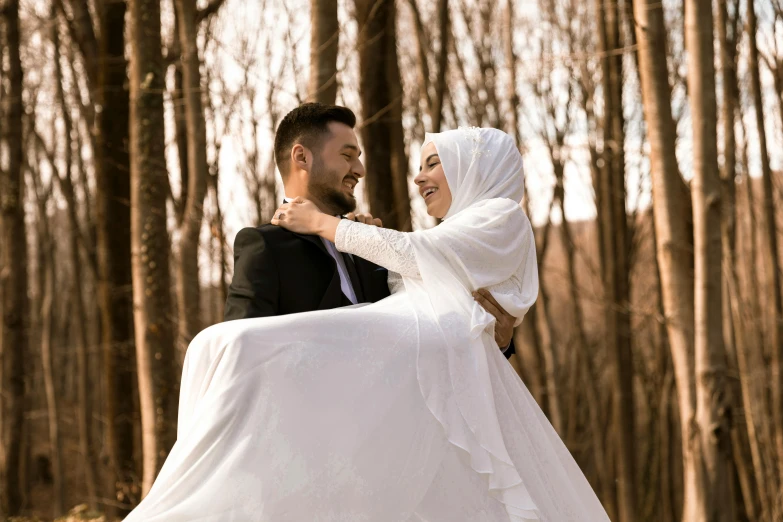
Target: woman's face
x=432, y=184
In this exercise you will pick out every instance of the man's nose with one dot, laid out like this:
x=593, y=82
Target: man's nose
x=358, y=169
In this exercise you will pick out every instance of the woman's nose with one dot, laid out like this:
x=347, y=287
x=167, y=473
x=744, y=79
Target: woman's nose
x=419, y=179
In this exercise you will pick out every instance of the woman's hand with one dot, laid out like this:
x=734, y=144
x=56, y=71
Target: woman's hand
x=300, y=216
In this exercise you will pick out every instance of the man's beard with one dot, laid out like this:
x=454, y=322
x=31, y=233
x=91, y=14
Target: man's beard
x=335, y=201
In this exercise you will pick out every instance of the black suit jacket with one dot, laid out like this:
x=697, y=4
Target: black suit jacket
x=279, y=272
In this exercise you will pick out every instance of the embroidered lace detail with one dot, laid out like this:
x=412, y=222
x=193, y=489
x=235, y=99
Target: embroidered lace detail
x=474, y=135
x=388, y=248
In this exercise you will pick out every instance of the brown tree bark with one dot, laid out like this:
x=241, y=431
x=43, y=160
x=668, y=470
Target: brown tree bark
x=612, y=219
x=157, y=372
x=671, y=208
x=324, y=43
x=743, y=433
x=441, y=66
x=46, y=264
x=709, y=438
x=381, y=125
x=105, y=65
x=432, y=94
x=84, y=412
x=771, y=263
x=511, y=69
x=188, y=283
x=13, y=265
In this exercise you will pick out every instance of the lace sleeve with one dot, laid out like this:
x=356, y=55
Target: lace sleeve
x=388, y=248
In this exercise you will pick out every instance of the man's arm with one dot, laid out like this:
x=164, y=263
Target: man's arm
x=254, y=289
x=504, y=324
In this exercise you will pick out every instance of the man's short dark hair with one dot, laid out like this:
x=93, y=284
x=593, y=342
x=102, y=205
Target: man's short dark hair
x=308, y=124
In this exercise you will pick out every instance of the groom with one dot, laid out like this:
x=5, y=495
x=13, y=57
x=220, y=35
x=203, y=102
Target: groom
x=278, y=272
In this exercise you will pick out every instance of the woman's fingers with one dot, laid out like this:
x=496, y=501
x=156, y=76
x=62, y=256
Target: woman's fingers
x=279, y=214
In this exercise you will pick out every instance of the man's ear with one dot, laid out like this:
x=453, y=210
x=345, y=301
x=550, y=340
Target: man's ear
x=300, y=157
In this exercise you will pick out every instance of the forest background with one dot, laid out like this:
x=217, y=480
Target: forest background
x=136, y=140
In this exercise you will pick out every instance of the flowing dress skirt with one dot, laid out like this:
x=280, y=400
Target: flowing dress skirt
x=319, y=417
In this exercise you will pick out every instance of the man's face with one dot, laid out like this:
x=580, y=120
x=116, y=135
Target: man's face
x=336, y=170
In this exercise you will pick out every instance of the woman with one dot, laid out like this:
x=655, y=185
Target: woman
x=402, y=410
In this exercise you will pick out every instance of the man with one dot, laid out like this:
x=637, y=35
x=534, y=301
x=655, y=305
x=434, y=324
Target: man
x=278, y=272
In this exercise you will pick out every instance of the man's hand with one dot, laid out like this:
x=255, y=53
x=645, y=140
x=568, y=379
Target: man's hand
x=504, y=327
x=367, y=219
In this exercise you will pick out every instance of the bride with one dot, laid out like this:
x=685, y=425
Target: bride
x=402, y=410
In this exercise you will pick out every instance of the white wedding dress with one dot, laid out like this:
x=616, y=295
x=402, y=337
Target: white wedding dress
x=403, y=410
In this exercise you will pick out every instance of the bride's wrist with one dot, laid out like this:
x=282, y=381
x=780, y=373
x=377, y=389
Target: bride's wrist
x=326, y=226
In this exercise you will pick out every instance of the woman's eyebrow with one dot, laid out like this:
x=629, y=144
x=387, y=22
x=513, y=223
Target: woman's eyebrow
x=430, y=157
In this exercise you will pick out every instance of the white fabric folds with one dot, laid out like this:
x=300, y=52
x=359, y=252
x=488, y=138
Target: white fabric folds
x=486, y=241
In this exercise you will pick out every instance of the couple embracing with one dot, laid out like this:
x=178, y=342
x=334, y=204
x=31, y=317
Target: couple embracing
x=366, y=379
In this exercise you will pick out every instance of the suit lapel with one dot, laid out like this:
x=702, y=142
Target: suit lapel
x=333, y=295
x=316, y=240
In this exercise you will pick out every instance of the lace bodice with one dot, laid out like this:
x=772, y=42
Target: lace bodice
x=393, y=250
x=388, y=248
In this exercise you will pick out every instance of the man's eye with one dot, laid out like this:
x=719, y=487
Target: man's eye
x=347, y=156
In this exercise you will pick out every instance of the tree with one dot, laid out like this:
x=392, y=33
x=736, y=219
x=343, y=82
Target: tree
x=324, y=43
x=46, y=272
x=744, y=440
x=195, y=190
x=65, y=180
x=615, y=252
x=13, y=264
x=157, y=372
x=105, y=66
x=671, y=207
x=381, y=127
x=710, y=437
x=771, y=263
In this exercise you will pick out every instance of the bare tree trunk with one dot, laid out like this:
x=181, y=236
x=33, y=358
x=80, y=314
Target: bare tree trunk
x=220, y=237
x=442, y=62
x=511, y=68
x=744, y=442
x=47, y=281
x=380, y=128
x=324, y=43
x=548, y=353
x=770, y=259
x=13, y=266
x=671, y=209
x=78, y=316
x=158, y=378
x=188, y=284
x=112, y=199
x=422, y=45
x=399, y=157
x=710, y=439
x=615, y=261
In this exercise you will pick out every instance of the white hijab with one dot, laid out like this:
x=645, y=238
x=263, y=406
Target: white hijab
x=485, y=241
x=479, y=164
